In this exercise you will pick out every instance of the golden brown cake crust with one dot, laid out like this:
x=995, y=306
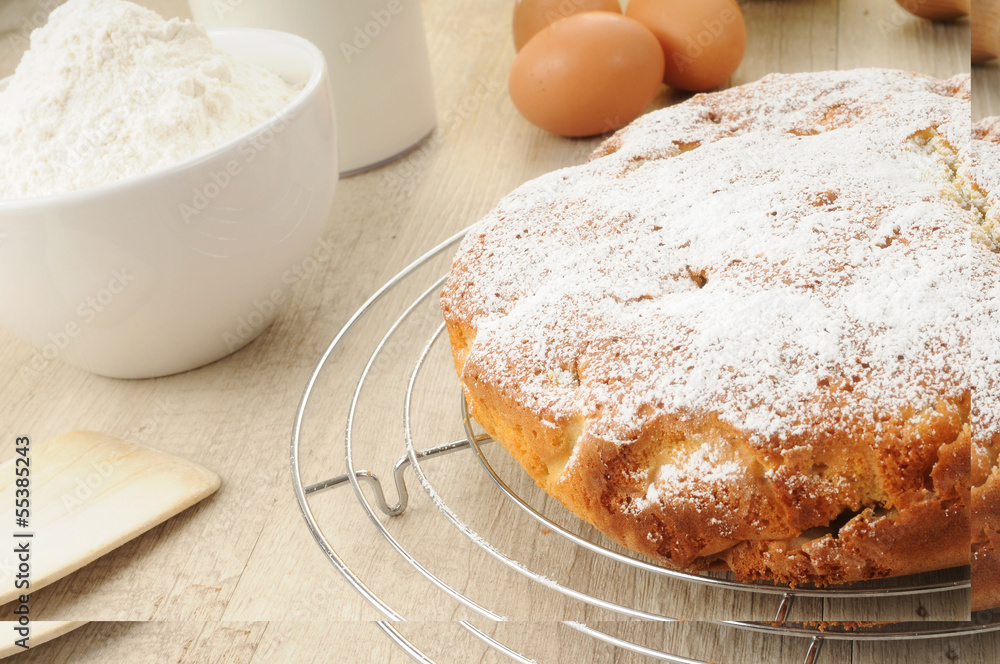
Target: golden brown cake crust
x=737, y=337
x=986, y=390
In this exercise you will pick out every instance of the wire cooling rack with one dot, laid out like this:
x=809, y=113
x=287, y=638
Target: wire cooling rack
x=395, y=359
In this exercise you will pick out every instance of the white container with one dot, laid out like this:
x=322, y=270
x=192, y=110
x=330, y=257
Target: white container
x=377, y=54
x=124, y=281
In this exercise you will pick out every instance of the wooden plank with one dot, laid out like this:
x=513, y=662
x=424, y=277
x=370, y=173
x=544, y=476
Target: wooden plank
x=986, y=90
x=969, y=650
x=151, y=643
x=789, y=36
x=883, y=34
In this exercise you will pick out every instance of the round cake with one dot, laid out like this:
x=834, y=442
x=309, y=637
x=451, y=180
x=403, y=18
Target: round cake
x=985, y=159
x=748, y=334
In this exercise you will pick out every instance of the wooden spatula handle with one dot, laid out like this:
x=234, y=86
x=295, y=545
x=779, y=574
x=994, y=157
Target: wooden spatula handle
x=937, y=10
x=985, y=30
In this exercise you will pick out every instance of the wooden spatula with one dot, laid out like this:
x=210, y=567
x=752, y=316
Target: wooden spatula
x=41, y=631
x=88, y=494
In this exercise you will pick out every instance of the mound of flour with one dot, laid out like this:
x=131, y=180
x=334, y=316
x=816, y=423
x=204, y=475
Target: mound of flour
x=110, y=90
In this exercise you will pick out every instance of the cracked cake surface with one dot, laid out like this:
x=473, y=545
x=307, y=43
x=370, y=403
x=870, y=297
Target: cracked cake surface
x=744, y=335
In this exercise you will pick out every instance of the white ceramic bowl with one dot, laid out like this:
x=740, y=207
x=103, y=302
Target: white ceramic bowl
x=179, y=267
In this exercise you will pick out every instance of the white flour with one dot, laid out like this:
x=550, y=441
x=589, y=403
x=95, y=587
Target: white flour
x=110, y=90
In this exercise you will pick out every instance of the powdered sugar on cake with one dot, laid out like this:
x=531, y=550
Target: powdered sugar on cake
x=984, y=171
x=751, y=256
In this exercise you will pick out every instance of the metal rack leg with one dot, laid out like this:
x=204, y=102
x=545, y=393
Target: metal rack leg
x=783, y=608
x=812, y=656
x=398, y=472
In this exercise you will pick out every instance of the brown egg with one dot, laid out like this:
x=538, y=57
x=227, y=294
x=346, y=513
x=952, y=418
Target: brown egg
x=587, y=74
x=937, y=10
x=703, y=40
x=532, y=16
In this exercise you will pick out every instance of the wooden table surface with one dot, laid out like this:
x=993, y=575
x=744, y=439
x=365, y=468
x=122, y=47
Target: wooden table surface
x=986, y=90
x=238, y=578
